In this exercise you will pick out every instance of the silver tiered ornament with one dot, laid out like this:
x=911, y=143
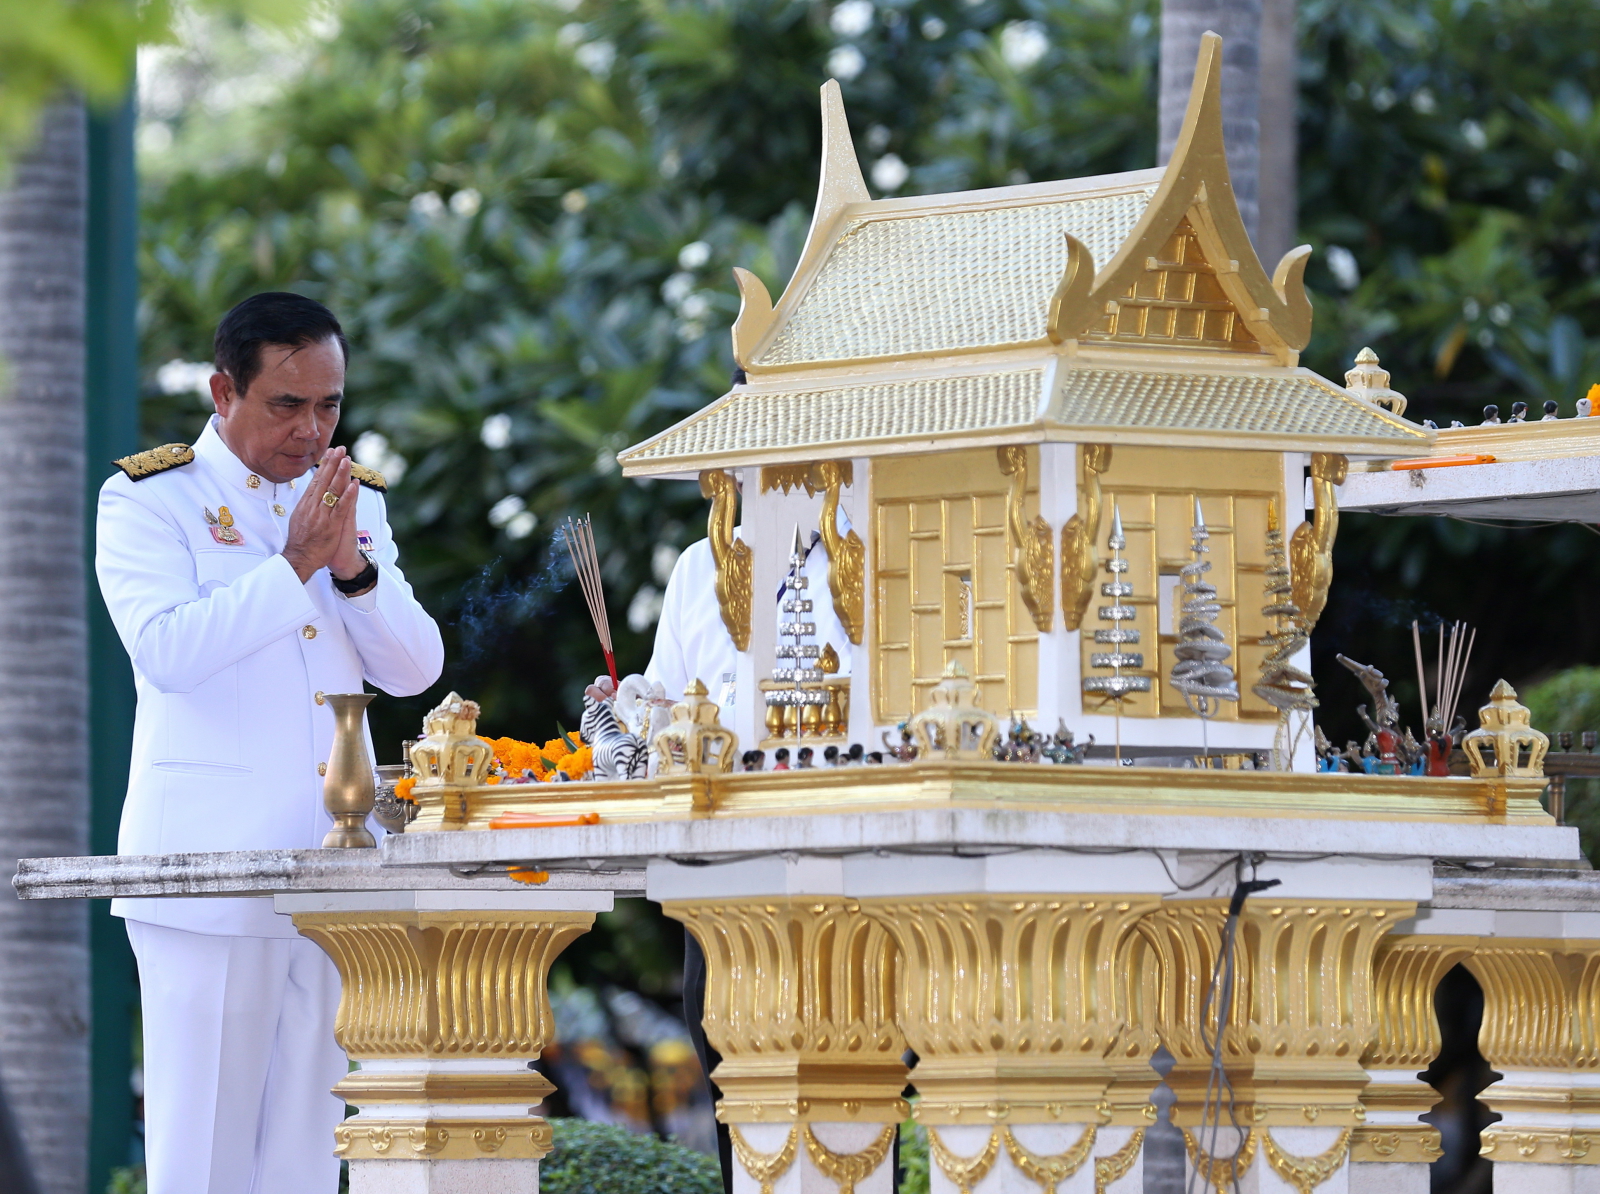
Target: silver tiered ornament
x=1121, y=633
x=1201, y=674
x=797, y=709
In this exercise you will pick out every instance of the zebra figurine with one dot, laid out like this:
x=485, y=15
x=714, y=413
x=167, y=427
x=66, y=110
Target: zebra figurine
x=617, y=753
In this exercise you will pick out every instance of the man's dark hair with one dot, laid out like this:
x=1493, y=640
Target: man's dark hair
x=275, y=317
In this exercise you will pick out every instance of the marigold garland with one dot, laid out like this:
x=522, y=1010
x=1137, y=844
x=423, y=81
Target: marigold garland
x=523, y=762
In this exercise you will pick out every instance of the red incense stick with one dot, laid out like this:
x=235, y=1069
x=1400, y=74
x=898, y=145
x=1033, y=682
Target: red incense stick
x=586, y=563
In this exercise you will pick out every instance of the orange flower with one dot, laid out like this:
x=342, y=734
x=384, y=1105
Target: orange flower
x=578, y=765
x=402, y=788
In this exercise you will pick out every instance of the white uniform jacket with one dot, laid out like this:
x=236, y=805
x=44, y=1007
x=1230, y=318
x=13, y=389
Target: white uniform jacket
x=230, y=652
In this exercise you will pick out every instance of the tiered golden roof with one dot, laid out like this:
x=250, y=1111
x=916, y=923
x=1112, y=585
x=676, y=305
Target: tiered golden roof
x=1127, y=308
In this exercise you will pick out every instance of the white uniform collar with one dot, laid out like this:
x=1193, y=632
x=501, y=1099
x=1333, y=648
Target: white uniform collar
x=211, y=448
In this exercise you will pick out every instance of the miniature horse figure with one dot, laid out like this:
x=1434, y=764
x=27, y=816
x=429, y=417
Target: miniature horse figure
x=617, y=753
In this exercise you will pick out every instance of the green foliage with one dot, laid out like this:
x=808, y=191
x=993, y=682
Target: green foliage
x=1570, y=700
x=127, y=1180
x=593, y=1158
x=913, y=1159
x=88, y=46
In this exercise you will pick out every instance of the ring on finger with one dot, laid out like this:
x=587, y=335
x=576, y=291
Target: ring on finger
x=330, y=499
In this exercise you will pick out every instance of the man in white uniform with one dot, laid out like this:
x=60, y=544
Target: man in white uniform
x=247, y=576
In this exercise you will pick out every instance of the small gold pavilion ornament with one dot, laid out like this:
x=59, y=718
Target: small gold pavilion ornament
x=695, y=741
x=452, y=754
x=1370, y=382
x=1504, y=725
x=954, y=725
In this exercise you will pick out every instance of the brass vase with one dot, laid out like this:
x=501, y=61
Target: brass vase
x=348, y=790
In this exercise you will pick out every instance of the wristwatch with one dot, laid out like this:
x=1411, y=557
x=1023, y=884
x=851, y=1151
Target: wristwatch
x=361, y=580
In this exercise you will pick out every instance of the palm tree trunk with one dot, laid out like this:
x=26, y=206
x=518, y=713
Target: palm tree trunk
x=44, y=952
x=1239, y=23
x=1280, y=91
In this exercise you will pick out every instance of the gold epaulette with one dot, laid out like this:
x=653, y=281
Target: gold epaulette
x=370, y=477
x=157, y=460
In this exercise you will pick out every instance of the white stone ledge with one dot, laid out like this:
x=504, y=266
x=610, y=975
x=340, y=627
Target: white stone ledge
x=269, y=872
x=629, y=844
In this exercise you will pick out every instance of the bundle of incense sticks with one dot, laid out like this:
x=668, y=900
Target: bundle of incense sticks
x=1450, y=676
x=586, y=563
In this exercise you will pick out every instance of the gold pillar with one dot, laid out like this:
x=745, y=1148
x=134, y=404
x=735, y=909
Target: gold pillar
x=1406, y=972
x=1010, y=1003
x=1301, y=1018
x=800, y=1003
x=1541, y=1030
x=461, y=996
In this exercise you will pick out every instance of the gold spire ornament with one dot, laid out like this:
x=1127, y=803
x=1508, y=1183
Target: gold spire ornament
x=953, y=726
x=450, y=754
x=1505, y=726
x=695, y=741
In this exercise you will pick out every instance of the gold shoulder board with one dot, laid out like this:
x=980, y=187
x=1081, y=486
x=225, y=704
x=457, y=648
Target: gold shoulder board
x=157, y=460
x=370, y=477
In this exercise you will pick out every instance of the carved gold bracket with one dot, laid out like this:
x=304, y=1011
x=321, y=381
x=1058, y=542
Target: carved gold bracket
x=1079, y=566
x=847, y=554
x=1221, y=1173
x=965, y=1172
x=847, y=1170
x=1115, y=1165
x=1049, y=1172
x=764, y=1168
x=732, y=556
x=1032, y=551
x=1305, y=1174
x=1311, y=548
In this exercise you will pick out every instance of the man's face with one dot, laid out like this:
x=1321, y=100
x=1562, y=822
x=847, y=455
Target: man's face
x=282, y=425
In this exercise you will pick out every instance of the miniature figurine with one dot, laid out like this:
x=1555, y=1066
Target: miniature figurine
x=617, y=753
x=1519, y=412
x=780, y=760
x=803, y=758
x=875, y=758
x=1060, y=748
x=906, y=752
x=1021, y=744
x=830, y=756
x=1383, y=744
x=1550, y=408
x=1491, y=413
x=854, y=757
x=754, y=760
x=1585, y=407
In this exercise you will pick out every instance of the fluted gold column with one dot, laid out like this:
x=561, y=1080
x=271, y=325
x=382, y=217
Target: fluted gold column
x=1406, y=972
x=1017, y=1011
x=1302, y=1017
x=800, y=1004
x=443, y=1009
x=1541, y=1031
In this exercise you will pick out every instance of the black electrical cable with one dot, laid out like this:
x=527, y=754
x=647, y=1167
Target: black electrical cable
x=1222, y=974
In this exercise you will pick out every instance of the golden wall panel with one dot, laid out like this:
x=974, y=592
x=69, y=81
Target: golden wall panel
x=1155, y=488
x=944, y=590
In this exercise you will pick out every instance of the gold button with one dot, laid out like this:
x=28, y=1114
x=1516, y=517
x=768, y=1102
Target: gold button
x=322, y=769
x=277, y=509
x=318, y=698
x=291, y=484
x=253, y=481
x=308, y=631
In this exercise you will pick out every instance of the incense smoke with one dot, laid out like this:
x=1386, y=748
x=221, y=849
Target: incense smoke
x=491, y=607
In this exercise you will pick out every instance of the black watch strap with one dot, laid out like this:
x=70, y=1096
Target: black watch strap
x=361, y=580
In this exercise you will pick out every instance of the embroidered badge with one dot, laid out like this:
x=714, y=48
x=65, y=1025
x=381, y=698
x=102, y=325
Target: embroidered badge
x=221, y=526
x=364, y=540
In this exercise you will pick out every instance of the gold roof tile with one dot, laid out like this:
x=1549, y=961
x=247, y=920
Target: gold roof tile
x=1294, y=403
x=1282, y=409
x=847, y=416
x=947, y=281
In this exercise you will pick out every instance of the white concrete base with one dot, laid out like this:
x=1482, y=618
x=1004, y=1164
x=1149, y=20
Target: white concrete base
x=1511, y=1177
x=444, y=1177
x=802, y=1177
x=1410, y=1178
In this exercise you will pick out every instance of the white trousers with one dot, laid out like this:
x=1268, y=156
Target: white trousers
x=239, y=1057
